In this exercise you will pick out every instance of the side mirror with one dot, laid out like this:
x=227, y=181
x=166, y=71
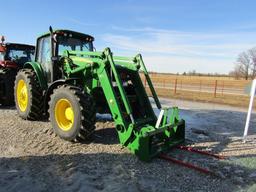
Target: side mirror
x=52, y=35
x=50, y=29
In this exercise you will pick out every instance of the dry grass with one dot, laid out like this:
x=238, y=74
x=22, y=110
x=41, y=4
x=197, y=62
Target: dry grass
x=233, y=100
x=223, y=83
x=196, y=80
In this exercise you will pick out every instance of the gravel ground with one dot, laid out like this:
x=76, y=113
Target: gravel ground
x=32, y=158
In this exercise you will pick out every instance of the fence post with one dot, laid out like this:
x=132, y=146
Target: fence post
x=222, y=88
x=175, y=86
x=200, y=87
x=215, y=88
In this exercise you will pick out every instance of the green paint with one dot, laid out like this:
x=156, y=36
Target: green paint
x=39, y=72
x=124, y=95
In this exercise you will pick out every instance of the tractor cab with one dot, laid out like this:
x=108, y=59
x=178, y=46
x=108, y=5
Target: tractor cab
x=14, y=55
x=18, y=54
x=12, y=58
x=50, y=48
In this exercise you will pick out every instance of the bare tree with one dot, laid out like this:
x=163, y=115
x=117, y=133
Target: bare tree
x=235, y=73
x=243, y=64
x=252, y=54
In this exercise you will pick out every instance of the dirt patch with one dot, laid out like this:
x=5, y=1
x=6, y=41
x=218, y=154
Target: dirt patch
x=32, y=158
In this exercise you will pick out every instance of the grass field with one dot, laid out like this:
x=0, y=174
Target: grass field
x=201, y=88
x=195, y=80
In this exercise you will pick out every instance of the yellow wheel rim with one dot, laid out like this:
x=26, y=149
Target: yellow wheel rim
x=64, y=114
x=22, y=95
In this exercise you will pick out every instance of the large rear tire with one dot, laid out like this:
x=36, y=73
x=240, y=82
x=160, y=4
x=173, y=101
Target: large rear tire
x=7, y=77
x=28, y=95
x=72, y=113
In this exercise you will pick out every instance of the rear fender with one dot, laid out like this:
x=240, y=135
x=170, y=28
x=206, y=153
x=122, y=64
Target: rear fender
x=39, y=73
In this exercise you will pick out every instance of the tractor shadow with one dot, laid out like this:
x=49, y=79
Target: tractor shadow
x=107, y=136
x=105, y=132
x=11, y=107
x=108, y=172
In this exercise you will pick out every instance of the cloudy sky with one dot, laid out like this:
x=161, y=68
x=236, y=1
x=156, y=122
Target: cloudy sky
x=173, y=36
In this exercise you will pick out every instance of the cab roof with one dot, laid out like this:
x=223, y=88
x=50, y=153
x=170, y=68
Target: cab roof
x=19, y=45
x=77, y=34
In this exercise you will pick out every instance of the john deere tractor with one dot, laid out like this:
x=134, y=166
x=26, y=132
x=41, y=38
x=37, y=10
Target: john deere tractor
x=70, y=83
x=12, y=58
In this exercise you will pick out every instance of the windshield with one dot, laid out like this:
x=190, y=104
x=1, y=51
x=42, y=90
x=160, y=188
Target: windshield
x=72, y=44
x=19, y=55
x=1, y=56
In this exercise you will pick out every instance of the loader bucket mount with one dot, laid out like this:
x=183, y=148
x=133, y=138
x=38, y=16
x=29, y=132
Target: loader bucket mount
x=151, y=141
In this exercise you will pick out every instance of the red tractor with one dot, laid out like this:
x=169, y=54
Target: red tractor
x=12, y=58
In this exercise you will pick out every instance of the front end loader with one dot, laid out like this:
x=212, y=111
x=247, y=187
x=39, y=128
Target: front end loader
x=70, y=83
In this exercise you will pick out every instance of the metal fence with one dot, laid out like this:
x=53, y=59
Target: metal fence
x=214, y=87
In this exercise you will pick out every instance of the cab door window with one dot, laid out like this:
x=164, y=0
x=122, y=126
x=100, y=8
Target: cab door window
x=1, y=56
x=44, y=56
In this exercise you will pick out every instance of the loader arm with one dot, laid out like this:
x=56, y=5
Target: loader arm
x=134, y=117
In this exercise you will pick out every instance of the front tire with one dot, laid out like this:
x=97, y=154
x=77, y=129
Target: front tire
x=72, y=113
x=28, y=95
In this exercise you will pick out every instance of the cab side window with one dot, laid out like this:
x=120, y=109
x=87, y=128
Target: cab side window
x=1, y=56
x=44, y=50
x=44, y=55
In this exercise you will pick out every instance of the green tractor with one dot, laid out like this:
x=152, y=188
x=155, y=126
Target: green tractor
x=70, y=83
